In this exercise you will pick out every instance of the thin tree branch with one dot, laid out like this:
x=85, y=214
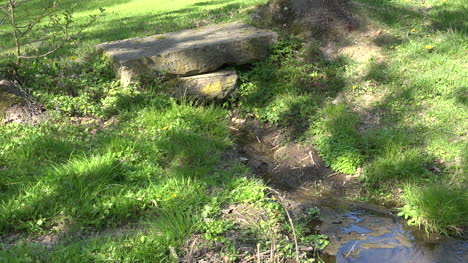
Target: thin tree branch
x=37, y=20
x=55, y=32
x=63, y=41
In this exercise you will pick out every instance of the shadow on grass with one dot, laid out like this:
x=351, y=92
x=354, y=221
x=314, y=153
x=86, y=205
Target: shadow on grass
x=118, y=175
x=143, y=25
x=33, y=8
x=286, y=92
x=442, y=17
x=110, y=29
x=394, y=151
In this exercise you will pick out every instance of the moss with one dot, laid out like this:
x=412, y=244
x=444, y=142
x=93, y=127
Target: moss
x=160, y=37
x=213, y=89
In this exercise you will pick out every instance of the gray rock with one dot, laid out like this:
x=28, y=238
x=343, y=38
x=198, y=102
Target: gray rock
x=211, y=86
x=188, y=52
x=243, y=160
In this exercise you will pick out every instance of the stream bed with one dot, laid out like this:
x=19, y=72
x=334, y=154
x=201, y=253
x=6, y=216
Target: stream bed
x=358, y=231
x=362, y=232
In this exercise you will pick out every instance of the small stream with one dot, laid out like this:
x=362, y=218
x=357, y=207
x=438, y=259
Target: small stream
x=362, y=232
x=358, y=231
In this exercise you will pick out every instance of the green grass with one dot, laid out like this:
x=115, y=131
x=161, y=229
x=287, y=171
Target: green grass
x=151, y=176
x=419, y=137
x=134, y=18
x=337, y=139
x=440, y=208
x=142, y=172
x=127, y=175
x=64, y=171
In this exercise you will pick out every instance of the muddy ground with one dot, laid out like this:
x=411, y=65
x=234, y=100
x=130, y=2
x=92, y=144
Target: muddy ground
x=286, y=165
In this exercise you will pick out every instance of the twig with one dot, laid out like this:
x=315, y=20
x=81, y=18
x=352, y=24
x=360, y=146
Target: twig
x=312, y=158
x=189, y=256
x=276, y=137
x=252, y=258
x=276, y=147
x=258, y=253
x=330, y=175
x=271, y=252
x=62, y=42
x=274, y=249
x=290, y=222
x=173, y=253
x=279, y=165
x=351, y=250
x=258, y=139
x=280, y=149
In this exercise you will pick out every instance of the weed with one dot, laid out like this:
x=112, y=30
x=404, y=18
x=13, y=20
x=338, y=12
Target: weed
x=413, y=133
x=338, y=140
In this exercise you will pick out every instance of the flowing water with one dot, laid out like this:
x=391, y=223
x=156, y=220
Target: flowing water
x=361, y=232
x=358, y=231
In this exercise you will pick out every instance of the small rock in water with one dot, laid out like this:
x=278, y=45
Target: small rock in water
x=243, y=159
x=238, y=120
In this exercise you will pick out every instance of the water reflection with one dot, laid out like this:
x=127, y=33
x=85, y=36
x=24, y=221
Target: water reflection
x=358, y=232
x=361, y=234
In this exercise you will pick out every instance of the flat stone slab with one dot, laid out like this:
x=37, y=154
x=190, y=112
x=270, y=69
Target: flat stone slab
x=189, y=52
x=211, y=86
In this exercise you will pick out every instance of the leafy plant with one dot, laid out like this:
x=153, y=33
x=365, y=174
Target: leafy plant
x=44, y=32
x=338, y=140
x=309, y=214
x=88, y=88
x=438, y=207
x=213, y=229
x=410, y=214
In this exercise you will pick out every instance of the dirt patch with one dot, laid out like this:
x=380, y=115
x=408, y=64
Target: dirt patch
x=312, y=18
x=64, y=231
x=287, y=166
x=199, y=250
x=16, y=106
x=357, y=45
x=364, y=46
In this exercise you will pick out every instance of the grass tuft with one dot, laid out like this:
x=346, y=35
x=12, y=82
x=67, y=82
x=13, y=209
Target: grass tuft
x=438, y=207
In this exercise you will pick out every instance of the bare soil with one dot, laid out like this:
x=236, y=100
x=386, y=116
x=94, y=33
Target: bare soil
x=16, y=106
x=287, y=166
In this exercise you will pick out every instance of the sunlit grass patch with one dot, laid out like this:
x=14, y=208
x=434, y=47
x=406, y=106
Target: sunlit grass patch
x=397, y=165
x=437, y=207
x=165, y=184
x=337, y=139
x=135, y=18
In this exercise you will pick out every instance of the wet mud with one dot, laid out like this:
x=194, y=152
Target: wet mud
x=358, y=231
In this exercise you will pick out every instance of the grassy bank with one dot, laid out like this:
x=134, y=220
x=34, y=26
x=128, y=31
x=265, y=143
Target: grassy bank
x=389, y=100
x=125, y=19
x=131, y=175
x=132, y=189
